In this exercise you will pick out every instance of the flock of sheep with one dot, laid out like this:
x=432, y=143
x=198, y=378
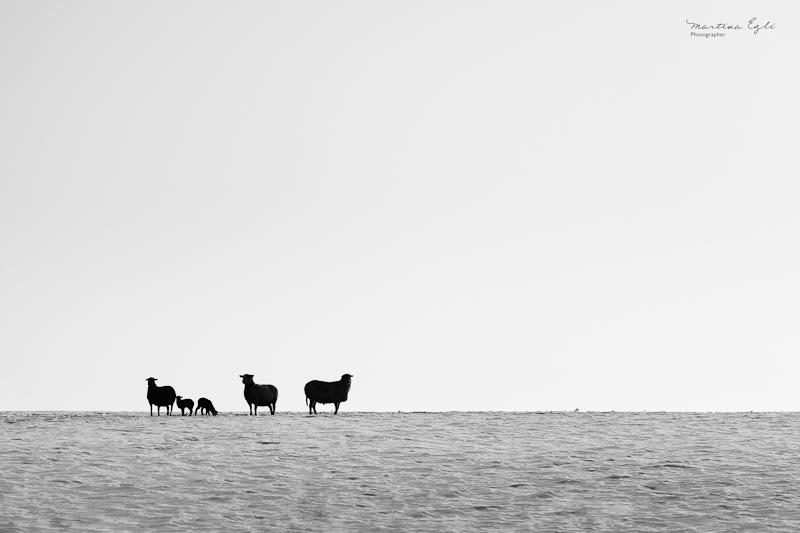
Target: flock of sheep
x=323, y=392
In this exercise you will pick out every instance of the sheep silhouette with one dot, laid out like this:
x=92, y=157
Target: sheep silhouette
x=256, y=395
x=323, y=392
x=160, y=396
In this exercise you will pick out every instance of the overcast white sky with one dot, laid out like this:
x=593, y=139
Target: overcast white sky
x=468, y=205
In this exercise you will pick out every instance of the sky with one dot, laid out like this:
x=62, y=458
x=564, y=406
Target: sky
x=467, y=205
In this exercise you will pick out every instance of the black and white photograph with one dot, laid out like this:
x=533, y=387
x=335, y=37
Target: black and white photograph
x=399, y=266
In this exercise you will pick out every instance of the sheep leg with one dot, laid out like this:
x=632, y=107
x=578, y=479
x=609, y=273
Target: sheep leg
x=336, y=404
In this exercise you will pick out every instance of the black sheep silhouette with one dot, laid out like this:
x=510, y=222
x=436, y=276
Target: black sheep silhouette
x=160, y=396
x=205, y=407
x=188, y=403
x=256, y=394
x=327, y=392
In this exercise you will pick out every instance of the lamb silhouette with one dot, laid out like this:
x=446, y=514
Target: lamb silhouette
x=205, y=407
x=188, y=403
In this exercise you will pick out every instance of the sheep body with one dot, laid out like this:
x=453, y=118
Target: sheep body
x=256, y=394
x=159, y=396
x=334, y=392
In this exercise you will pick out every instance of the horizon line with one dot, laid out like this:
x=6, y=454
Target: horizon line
x=400, y=411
